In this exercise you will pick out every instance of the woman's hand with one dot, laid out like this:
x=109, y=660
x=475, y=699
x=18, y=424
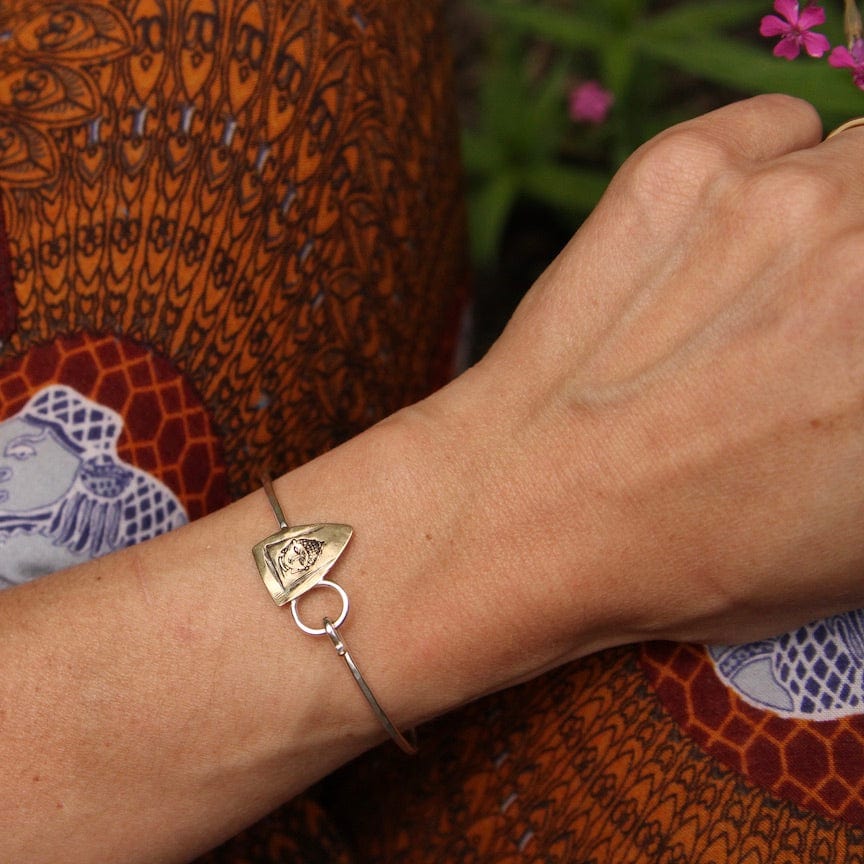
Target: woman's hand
x=674, y=418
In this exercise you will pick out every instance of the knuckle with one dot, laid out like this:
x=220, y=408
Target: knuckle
x=785, y=103
x=673, y=169
x=793, y=192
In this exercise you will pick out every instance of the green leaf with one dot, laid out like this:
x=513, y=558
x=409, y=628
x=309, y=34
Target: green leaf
x=488, y=210
x=751, y=70
x=502, y=89
x=618, y=62
x=545, y=115
x=482, y=154
x=567, y=29
x=565, y=187
x=691, y=19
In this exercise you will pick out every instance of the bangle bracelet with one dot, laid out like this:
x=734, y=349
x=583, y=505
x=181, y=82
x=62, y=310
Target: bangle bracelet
x=296, y=560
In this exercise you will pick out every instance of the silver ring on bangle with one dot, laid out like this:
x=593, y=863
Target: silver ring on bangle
x=321, y=631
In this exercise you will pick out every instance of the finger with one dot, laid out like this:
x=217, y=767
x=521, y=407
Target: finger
x=763, y=127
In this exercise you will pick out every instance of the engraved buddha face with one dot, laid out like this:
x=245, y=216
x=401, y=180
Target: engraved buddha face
x=299, y=555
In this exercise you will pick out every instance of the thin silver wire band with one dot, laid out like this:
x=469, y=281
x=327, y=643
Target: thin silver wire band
x=407, y=744
x=267, y=482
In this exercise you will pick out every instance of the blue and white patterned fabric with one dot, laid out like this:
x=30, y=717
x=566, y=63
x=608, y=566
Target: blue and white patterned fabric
x=814, y=672
x=65, y=495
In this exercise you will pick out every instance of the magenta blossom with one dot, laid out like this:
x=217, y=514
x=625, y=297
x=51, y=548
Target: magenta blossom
x=846, y=58
x=590, y=102
x=794, y=29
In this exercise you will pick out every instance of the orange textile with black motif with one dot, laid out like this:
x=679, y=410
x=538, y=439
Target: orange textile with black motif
x=595, y=763
x=261, y=195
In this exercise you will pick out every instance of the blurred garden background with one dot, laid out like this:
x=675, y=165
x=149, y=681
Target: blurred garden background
x=555, y=94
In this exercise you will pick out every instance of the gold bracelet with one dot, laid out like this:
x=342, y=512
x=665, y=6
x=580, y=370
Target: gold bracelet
x=294, y=561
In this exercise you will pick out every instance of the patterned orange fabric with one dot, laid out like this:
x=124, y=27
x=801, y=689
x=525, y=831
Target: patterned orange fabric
x=263, y=192
x=582, y=765
x=816, y=764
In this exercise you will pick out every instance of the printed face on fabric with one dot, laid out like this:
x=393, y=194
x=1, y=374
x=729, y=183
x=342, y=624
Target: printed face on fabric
x=65, y=495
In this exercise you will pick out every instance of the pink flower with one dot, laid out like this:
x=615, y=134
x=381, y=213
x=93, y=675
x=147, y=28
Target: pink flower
x=794, y=31
x=844, y=58
x=590, y=102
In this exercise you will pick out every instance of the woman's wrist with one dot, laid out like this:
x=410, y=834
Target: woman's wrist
x=522, y=542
